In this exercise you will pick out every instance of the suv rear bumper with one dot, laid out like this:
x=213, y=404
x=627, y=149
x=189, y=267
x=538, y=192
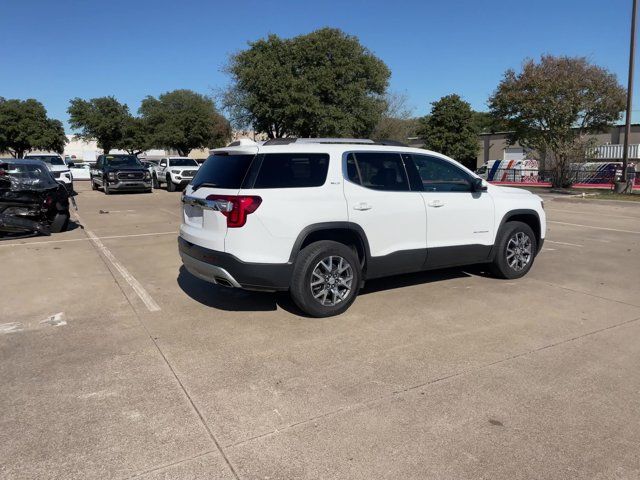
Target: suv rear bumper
x=225, y=269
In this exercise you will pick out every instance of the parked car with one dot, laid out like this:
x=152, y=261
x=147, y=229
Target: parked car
x=31, y=199
x=319, y=217
x=175, y=172
x=80, y=171
x=518, y=171
x=57, y=166
x=120, y=173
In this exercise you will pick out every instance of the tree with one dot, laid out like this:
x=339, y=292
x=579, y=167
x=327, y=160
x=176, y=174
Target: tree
x=550, y=106
x=321, y=84
x=485, y=122
x=103, y=119
x=450, y=129
x=135, y=136
x=24, y=126
x=184, y=120
x=397, y=122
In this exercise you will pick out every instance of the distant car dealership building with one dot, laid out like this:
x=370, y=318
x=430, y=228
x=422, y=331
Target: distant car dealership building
x=609, y=146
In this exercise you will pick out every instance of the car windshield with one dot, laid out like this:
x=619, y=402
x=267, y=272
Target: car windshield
x=29, y=175
x=50, y=159
x=122, y=161
x=183, y=162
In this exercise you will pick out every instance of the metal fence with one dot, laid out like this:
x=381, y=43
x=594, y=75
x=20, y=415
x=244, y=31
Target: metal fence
x=596, y=177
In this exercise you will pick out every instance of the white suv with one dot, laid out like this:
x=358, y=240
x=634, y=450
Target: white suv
x=318, y=217
x=57, y=166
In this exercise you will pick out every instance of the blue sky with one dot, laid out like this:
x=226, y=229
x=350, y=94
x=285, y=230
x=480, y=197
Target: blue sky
x=56, y=50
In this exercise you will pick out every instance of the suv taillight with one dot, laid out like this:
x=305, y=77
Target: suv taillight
x=236, y=207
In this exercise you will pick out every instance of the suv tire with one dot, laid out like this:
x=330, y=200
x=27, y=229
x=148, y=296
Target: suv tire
x=93, y=185
x=326, y=278
x=155, y=182
x=171, y=187
x=105, y=187
x=516, y=250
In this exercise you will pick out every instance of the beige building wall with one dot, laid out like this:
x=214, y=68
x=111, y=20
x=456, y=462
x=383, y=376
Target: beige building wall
x=492, y=145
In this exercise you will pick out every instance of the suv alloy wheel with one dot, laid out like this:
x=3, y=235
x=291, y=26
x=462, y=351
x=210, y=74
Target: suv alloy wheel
x=515, y=250
x=326, y=278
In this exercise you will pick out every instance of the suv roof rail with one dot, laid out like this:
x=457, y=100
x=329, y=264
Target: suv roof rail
x=356, y=141
x=290, y=140
x=391, y=143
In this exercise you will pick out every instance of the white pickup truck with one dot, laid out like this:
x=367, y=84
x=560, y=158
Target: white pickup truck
x=175, y=172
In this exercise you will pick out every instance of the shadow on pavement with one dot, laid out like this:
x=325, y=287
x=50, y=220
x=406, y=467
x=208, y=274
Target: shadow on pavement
x=235, y=299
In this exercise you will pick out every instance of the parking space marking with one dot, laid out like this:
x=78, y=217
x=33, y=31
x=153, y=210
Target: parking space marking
x=594, y=227
x=149, y=302
x=109, y=237
x=591, y=213
x=564, y=243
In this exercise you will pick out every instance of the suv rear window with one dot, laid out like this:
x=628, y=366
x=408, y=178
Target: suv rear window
x=223, y=171
x=377, y=171
x=292, y=170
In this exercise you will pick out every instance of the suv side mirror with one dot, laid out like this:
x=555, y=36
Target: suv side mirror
x=477, y=185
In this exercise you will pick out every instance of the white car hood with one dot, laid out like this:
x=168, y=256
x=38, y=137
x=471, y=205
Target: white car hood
x=509, y=190
x=57, y=168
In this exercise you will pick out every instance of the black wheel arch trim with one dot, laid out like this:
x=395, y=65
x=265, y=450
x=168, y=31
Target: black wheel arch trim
x=328, y=226
x=514, y=213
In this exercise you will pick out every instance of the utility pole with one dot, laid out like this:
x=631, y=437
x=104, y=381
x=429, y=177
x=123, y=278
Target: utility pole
x=627, y=127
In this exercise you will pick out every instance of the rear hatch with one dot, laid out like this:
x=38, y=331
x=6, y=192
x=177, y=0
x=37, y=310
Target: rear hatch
x=208, y=200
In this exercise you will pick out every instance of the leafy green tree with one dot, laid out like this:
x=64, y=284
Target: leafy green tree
x=24, y=126
x=184, y=120
x=103, y=119
x=551, y=105
x=450, y=129
x=321, y=84
x=136, y=137
x=485, y=122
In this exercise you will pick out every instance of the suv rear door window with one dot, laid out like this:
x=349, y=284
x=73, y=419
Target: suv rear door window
x=223, y=171
x=292, y=170
x=378, y=171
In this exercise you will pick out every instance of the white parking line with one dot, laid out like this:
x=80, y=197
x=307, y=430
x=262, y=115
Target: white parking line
x=565, y=243
x=596, y=228
x=151, y=305
x=87, y=239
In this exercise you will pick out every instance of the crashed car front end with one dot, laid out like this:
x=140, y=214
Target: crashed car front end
x=29, y=206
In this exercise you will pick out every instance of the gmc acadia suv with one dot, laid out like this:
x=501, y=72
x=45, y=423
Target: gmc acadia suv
x=318, y=217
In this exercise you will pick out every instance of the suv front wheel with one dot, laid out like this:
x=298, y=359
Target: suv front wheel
x=515, y=250
x=326, y=278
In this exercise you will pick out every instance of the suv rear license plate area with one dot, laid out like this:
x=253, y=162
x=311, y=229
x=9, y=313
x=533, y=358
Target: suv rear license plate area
x=193, y=215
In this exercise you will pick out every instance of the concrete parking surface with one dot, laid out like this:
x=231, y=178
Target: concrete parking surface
x=148, y=372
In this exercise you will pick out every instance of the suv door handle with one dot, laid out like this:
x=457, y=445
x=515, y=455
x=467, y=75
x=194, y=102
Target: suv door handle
x=362, y=206
x=436, y=203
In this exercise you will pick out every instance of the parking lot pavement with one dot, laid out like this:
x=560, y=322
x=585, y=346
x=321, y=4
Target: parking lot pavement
x=148, y=372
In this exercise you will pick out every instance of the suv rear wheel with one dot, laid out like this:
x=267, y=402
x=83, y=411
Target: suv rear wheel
x=326, y=278
x=516, y=250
